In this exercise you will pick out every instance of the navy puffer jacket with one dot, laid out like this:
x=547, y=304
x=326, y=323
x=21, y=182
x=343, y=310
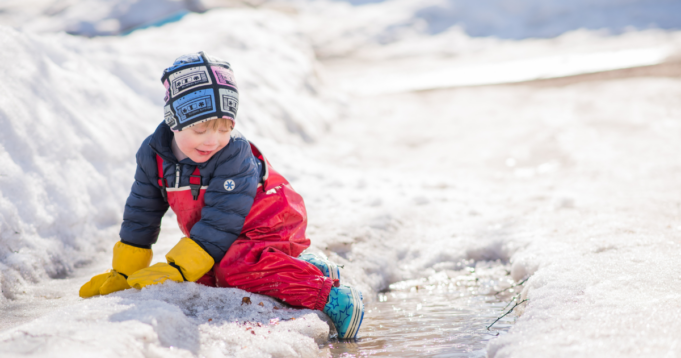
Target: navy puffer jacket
x=224, y=214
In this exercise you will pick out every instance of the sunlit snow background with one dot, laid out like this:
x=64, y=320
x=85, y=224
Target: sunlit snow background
x=522, y=138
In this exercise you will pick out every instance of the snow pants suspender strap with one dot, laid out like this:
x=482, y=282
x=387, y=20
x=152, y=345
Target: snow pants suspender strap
x=162, y=182
x=195, y=183
x=194, y=180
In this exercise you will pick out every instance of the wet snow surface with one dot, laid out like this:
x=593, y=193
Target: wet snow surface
x=575, y=188
x=575, y=185
x=445, y=315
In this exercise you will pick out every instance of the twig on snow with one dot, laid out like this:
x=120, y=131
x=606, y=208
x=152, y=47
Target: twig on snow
x=516, y=285
x=512, y=300
x=505, y=314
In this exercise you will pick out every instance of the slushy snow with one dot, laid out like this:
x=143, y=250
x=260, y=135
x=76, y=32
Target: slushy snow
x=573, y=187
x=178, y=320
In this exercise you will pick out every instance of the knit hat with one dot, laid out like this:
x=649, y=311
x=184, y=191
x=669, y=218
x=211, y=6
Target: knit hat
x=199, y=88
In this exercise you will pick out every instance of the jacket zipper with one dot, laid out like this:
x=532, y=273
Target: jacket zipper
x=177, y=176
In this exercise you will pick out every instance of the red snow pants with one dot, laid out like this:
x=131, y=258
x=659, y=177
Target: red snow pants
x=263, y=258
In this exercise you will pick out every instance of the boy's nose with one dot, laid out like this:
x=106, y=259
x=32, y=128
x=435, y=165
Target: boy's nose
x=211, y=139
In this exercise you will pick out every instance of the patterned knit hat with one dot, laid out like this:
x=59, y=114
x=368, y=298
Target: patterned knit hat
x=199, y=88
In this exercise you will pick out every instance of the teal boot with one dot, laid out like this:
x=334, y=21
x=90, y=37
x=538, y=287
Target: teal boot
x=328, y=268
x=346, y=310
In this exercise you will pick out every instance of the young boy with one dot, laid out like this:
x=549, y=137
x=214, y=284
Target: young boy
x=244, y=225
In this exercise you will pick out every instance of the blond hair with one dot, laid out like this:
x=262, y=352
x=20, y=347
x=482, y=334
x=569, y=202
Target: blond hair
x=216, y=123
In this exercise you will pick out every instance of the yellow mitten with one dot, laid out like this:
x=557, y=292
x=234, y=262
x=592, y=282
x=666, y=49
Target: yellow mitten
x=126, y=260
x=157, y=273
x=187, y=261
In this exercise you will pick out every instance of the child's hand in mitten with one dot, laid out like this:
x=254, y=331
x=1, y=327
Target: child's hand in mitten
x=187, y=261
x=126, y=261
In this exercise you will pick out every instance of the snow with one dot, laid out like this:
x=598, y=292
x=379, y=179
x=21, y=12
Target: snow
x=385, y=21
x=91, y=17
x=178, y=320
x=575, y=187
x=519, y=19
x=397, y=54
x=63, y=180
x=396, y=80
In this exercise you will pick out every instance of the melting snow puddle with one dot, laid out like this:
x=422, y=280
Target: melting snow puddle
x=445, y=315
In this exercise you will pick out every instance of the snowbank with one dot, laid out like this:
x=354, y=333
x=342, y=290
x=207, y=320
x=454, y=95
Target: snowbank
x=406, y=22
x=92, y=17
x=416, y=45
x=171, y=320
x=398, y=54
x=521, y=19
x=605, y=275
x=69, y=131
x=375, y=21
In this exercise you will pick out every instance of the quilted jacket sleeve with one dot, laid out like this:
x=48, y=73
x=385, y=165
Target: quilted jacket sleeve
x=145, y=206
x=228, y=200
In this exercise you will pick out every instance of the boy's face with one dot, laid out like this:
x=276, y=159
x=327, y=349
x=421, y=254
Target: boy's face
x=200, y=142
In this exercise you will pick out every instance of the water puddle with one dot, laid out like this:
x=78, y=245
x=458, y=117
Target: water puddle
x=445, y=315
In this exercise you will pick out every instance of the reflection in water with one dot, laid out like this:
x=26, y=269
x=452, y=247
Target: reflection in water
x=443, y=316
